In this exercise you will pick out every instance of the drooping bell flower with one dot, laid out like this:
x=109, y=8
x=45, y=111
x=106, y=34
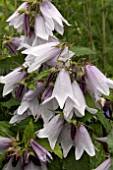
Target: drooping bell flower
x=62, y=91
x=78, y=107
x=79, y=138
x=30, y=101
x=50, y=20
x=46, y=52
x=11, y=79
x=97, y=82
x=51, y=130
x=17, y=18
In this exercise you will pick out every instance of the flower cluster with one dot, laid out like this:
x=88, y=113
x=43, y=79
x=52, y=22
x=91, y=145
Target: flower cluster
x=58, y=97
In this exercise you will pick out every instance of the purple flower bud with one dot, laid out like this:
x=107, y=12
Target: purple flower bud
x=82, y=84
x=73, y=131
x=11, y=48
x=107, y=110
x=25, y=158
x=16, y=41
x=19, y=91
x=27, y=24
x=74, y=69
x=40, y=152
x=50, y=78
x=47, y=93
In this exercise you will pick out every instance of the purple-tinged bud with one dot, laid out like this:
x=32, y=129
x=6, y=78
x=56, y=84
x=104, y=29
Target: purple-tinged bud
x=74, y=69
x=25, y=158
x=42, y=154
x=82, y=83
x=50, y=78
x=16, y=41
x=107, y=110
x=73, y=131
x=27, y=24
x=19, y=92
x=11, y=48
x=47, y=93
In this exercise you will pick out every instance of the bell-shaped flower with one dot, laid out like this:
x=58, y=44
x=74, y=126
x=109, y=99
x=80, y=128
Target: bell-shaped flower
x=11, y=79
x=46, y=52
x=62, y=89
x=97, y=82
x=5, y=143
x=17, y=19
x=42, y=154
x=82, y=142
x=51, y=20
x=79, y=107
x=30, y=100
x=51, y=130
x=104, y=165
x=18, y=118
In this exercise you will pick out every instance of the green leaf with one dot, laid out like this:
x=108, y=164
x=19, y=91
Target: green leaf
x=105, y=122
x=110, y=146
x=57, y=150
x=70, y=163
x=43, y=74
x=29, y=133
x=5, y=129
x=55, y=164
x=10, y=103
x=81, y=51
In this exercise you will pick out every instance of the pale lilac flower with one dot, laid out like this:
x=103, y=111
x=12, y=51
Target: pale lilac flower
x=97, y=82
x=102, y=139
x=17, y=19
x=83, y=143
x=78, y=107
x=51, y=20
x=42, y=154
x=51, y=130
x=30, y=100
x=104, y=165
x=79, y=138
x=11, y=79
x=46, y=52
x=5, y=143
x=18, y=118
x=62, y=89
